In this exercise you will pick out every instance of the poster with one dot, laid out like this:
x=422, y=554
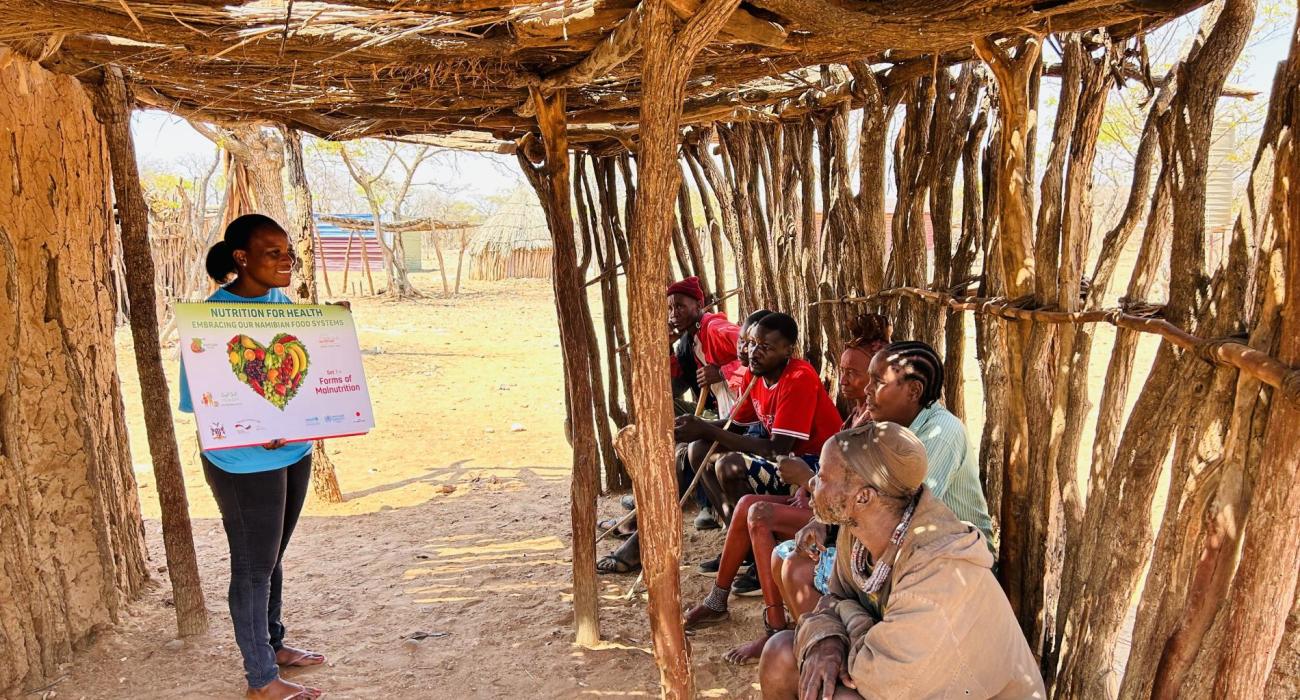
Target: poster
x=261, y=372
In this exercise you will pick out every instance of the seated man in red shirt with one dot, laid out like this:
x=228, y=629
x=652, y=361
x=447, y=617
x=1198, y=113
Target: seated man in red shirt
x=705, y=354
x=788, y=401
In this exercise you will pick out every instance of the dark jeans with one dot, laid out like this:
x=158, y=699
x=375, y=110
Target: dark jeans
x=258, y=512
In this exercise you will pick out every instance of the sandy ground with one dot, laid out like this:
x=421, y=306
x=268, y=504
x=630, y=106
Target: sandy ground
x=455, y=527
x=486, y=565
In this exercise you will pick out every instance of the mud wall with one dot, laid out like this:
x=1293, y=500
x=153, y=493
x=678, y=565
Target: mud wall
x=71, y=537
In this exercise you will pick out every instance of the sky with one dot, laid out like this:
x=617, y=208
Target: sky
x=162, y=138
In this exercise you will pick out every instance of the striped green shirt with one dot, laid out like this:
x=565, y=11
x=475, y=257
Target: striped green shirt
x=953, y=475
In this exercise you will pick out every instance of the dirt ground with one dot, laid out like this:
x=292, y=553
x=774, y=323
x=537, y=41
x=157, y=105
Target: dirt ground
x=455, y=529
x=456, y=523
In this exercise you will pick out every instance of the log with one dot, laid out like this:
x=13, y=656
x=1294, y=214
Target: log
x=1022, y=525
x=112, y=107
x=647, y=446
x=325, y=482
x=551, y=180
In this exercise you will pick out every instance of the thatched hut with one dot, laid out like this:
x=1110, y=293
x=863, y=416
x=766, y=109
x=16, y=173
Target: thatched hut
x=512, y=243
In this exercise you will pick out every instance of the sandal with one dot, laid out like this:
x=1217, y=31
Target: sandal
x=612, y=563
x=610, y=523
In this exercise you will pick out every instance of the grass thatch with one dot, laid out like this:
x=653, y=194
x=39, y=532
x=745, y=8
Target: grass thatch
x=358, y=68
x=520, y=224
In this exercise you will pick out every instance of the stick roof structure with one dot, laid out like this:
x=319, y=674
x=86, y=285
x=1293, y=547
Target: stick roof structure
x=461, y=69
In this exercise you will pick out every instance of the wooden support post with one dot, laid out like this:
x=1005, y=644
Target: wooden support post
x=647, y=445
x=551, y=181
x=324, y=480
x=112, y=106
x=1015, y=244
x=1270, y=560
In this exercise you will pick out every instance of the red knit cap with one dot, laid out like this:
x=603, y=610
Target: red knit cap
x=689, y=286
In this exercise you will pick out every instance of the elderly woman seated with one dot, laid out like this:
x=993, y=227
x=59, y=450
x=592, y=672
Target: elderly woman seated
x=913, y=608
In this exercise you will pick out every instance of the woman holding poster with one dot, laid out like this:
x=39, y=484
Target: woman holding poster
x=261, y=489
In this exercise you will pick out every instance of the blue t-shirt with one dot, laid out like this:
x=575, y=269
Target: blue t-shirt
x=247, y=460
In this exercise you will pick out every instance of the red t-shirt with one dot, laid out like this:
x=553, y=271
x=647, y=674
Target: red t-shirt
x=795, y=405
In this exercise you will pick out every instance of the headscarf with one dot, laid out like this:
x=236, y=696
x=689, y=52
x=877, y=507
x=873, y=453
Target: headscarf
x=890, y=457
x=893, y=462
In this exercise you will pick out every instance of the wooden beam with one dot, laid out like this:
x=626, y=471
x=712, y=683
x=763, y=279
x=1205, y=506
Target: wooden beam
x=741, y=28
x=112, y=107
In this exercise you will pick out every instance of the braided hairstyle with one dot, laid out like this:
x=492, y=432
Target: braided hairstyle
x=918, y=361
x=868, y=333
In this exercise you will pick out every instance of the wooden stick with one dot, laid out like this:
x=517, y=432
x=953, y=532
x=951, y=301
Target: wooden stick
x=1277, y=374
x=696, y=479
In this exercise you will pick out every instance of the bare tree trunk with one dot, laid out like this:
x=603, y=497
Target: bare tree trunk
x=1023, y=526
x=72, y=544
x=1265, y=586
x=325, y=482
x=551, y=180
x=112, y=107
x=647, y=446
x=963, y=260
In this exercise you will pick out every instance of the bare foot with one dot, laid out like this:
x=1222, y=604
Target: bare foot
x=702, y=615
x=747, y=653
x=280, y=689
x=288, y=656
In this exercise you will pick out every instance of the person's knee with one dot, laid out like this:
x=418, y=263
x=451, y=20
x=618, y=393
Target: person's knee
x=732, y=468
x=697, y=451
x=777, y=666
x=760, y=516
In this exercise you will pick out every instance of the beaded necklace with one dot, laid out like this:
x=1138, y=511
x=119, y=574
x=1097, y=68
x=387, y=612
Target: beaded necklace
x=861, y=558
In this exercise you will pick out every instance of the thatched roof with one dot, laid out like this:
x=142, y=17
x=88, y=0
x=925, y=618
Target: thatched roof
x=356, y=68
x=519, y=224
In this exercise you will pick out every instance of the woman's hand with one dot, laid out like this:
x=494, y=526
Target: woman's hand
x=345, y=304
x=274, y=444
x=808, y=541
x=823, y=670
x=800, y=498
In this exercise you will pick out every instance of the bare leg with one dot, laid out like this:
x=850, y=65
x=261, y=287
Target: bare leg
x=766, y=521
x=708, y=479
x=778, y=674
x=797, y=589
x=734, y=551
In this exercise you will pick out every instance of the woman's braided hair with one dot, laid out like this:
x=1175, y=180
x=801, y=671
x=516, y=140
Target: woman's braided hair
x=918, y=361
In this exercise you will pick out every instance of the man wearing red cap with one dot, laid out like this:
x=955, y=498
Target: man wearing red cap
x=705, y=355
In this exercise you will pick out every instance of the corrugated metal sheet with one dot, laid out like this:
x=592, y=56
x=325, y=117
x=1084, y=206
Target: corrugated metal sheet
x=332, y=253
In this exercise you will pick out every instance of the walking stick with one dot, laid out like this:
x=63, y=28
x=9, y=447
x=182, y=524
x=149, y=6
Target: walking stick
x=695, y=480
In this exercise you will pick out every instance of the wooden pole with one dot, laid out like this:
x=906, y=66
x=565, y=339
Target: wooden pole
x=1270, y=560
x=667, y=55
x=324, y=480
x=112, y=105
x=1020, y=525
x=551, y=181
